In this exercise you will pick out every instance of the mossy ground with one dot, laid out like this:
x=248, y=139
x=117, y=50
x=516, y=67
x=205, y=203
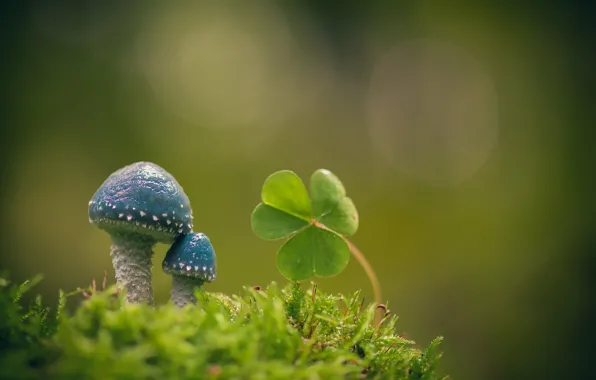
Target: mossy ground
x=294, y=332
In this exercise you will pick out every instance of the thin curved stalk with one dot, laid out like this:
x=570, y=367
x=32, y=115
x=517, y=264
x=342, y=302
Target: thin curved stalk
x=376, y=285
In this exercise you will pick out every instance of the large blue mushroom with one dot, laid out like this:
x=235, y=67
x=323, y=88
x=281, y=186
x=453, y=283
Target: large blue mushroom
x=191, y=262
x=139, y=205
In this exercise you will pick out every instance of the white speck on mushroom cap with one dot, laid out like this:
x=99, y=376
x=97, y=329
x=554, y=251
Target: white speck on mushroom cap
x=145, y=220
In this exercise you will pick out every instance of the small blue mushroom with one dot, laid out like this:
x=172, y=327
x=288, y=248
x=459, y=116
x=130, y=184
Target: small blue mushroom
x=139, y=205
x=191, y=262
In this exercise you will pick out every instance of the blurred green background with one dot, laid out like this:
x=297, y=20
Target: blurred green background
x=460, y=130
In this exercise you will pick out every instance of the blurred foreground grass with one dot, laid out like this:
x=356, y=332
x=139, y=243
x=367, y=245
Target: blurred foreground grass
x=268, y=333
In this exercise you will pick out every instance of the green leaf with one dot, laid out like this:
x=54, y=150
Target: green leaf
x=271, y=224
x=343, y=218
x=316, y=249
x=285, y=191
x=313, y=251
x=331, y=206
x=326, y=191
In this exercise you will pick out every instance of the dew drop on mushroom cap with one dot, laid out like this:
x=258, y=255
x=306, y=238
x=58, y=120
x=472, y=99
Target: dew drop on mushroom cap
x=142, y=198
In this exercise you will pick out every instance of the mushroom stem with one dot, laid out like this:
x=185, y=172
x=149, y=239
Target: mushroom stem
x=183, y=290
x=131, y=257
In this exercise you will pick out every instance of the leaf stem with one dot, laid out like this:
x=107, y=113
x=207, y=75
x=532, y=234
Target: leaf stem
x=368, y=269
x=376, y=285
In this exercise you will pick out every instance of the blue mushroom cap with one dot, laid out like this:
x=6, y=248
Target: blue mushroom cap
x=142, y=198
x=191, y=255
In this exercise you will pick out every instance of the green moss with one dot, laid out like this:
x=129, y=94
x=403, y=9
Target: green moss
x=273, y=333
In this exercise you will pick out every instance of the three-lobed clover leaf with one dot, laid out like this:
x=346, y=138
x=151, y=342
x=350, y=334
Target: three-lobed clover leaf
x=315, y=226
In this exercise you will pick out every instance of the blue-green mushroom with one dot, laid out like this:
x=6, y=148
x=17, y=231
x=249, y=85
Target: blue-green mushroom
x=139, y=205
x=191, y=262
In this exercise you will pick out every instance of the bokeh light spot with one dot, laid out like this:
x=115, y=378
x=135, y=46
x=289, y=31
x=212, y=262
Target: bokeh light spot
x=223, y=67
x=432, y=111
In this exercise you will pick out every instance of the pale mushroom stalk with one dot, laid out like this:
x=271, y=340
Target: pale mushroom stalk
x=183, y=290
x=139, y=206
x=131, y=258
x=191, y=262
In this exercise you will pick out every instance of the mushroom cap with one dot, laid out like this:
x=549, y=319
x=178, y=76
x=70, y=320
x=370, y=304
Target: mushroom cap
x=142, y=198
x=191, y=255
